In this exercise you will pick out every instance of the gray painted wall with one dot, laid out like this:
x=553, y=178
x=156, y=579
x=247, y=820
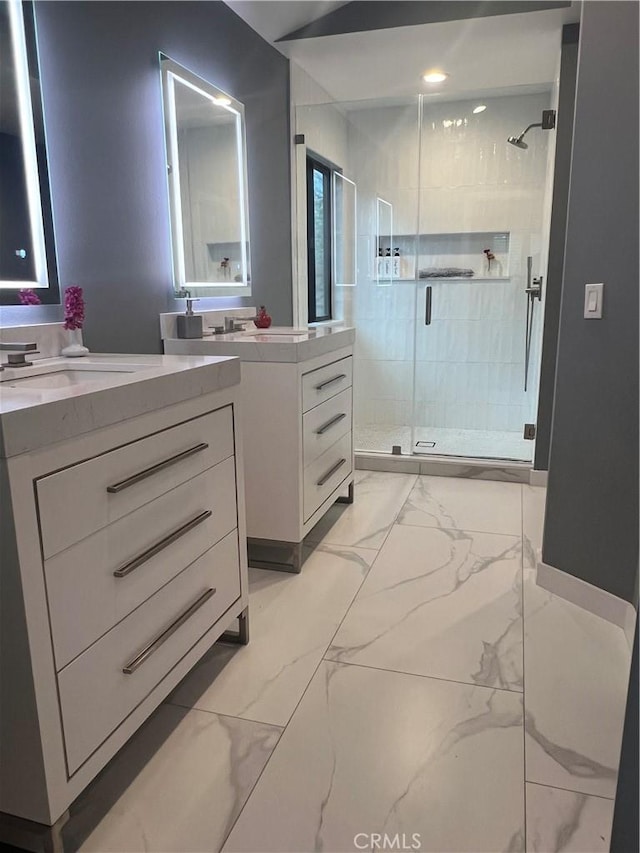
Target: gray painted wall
x=103, y=114
x=591, y=528
x=557, y=236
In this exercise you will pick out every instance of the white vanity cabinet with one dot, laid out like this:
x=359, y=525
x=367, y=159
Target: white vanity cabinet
x=299, y=451
x=297, y=430
x=123, y=561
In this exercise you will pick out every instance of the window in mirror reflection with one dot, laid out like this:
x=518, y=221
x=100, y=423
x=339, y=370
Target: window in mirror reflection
x=27, y=256
x=207, y=185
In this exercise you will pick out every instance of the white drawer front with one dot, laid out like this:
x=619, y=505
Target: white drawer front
x=76, y=502
x=326, y=382
x=95, y=693
x=325, y=474
x=325, y=424
x=85, y=572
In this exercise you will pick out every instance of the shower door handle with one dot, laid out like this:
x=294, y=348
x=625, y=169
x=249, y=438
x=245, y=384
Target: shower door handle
x=428, y=298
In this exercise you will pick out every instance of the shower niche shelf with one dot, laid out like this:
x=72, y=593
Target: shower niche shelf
x=463, y=250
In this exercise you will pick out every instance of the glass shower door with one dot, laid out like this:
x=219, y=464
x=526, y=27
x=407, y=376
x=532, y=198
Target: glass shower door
x=482, y=215
x=382, y=158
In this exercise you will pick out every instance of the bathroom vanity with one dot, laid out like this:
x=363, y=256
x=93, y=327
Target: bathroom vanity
x=297, y=427
x=123, y=556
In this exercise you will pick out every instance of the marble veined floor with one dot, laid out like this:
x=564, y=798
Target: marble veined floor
x=412, y=681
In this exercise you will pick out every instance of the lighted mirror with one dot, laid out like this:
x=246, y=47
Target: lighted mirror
x=207, y=179
x=384, y=243
x=344, y=231
x=27, y=255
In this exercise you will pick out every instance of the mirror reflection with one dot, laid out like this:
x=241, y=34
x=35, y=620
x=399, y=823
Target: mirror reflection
x=27, y=258
x=207, y=185
x=344, y=230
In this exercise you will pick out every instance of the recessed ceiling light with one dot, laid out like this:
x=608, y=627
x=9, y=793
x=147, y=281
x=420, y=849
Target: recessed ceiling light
x=480, y=108
x=434, y=76
x=224, y=102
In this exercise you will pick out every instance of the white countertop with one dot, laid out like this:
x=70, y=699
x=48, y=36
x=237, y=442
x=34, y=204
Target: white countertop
x=32, y=417
x=279, y=344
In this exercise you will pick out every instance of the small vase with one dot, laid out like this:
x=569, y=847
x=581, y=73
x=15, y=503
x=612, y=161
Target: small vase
x=74, y=348
x=263, y=320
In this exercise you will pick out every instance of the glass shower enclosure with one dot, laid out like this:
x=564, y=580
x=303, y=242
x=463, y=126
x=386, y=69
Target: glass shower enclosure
x=449, y=242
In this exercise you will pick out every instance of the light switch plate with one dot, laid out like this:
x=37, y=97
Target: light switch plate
x=593, y=296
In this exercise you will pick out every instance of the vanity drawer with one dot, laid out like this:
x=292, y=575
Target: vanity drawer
x=326, y=473
x=326, y=382
x=86, y=572
x=325, y=424
x=96, y=694
x=79, y=500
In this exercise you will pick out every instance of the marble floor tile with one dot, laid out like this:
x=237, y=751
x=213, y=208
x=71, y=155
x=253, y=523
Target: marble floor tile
x=178, y=785
x=452, y=502
x=366, y=522
x=442, y=603
x=576, y=679
x=566, y=821
x=533, y=504
x=369, y=751
x=292, y=621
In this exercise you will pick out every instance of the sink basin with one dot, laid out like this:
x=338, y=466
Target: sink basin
x=51, y=376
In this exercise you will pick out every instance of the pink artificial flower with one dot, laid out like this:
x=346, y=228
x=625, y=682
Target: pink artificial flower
x=29, y=297
x=73, y=307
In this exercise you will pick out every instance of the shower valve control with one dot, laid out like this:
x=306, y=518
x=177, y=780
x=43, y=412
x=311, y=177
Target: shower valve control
x=593, y=296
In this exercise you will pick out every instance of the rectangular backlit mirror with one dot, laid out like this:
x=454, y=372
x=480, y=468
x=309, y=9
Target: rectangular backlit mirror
x=207, y=179
x=27, y=253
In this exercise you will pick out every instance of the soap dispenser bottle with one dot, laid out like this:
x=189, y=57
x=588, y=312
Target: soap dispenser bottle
x=189, y=324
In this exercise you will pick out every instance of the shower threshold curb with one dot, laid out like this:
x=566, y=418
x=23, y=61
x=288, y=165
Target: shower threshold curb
x=446, y=466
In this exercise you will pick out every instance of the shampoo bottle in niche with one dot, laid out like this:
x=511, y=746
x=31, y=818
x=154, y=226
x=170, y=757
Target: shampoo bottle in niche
x=189, y=324
x=395, y=264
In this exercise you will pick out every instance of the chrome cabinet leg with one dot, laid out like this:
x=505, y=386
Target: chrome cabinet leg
x=241, y=636
x=349, y=498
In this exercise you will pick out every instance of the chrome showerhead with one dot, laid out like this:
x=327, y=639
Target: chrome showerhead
x=548, y=123
x=517, y=141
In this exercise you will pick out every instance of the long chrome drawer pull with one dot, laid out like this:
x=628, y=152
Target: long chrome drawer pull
x=148, y=472
x=325, y=427
x=330, y=473
x=123, y=571
x=330, y=381
x=154, y=645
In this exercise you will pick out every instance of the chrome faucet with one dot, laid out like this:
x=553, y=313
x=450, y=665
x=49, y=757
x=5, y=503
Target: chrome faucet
x=237, y=324
x=16, y=356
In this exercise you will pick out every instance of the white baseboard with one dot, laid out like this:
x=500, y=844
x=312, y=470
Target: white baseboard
x=538, y=478
x=592, y=598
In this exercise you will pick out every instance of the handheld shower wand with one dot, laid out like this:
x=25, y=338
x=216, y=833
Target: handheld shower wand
x=548, y=123
x=533, y=291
